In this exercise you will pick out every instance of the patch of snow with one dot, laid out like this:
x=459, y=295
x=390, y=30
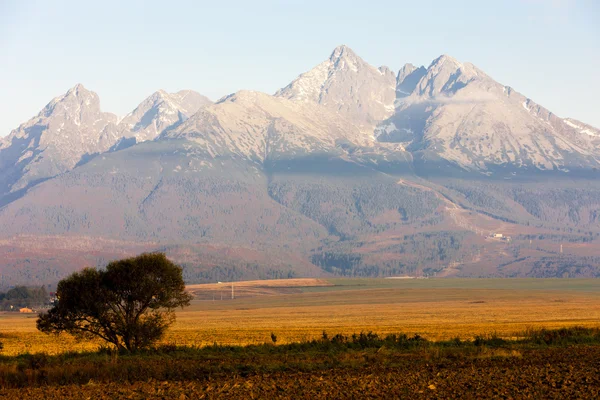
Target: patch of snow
x=581, y=129
x=589, y=132
x=391, y=127
x=572, y=125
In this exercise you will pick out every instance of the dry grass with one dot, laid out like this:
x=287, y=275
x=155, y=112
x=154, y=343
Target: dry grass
x=219, y=291
x=435, y=313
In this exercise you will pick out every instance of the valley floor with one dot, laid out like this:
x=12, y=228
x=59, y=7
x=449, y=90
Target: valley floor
x=482, y=340
x=295, y=310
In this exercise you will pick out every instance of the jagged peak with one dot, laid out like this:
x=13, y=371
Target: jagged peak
x=160, y=95
x=243, y=95
x=342, y=51
x=77, y=90
x=444, y=58
x=408, y=69
x=384, y=69
x=77, y=94
x=446, y=65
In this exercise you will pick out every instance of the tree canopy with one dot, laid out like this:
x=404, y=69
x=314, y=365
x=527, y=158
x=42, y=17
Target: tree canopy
x=130, y=304
x=23, y=296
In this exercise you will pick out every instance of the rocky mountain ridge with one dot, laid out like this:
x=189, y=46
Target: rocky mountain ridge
x=54, y=141
x=346, y=84
x=160, y=112
x=349, y=170
x=72, y=128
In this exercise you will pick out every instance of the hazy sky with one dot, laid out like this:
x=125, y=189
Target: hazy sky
x=548, y=50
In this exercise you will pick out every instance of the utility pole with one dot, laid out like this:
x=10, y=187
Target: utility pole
x=232, y=296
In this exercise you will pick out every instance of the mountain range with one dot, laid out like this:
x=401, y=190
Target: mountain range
x=349, y=170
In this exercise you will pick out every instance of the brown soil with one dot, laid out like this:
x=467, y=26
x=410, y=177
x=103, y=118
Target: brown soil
x=552, y=373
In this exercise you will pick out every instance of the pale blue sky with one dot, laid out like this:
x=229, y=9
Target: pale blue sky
x=548, y=50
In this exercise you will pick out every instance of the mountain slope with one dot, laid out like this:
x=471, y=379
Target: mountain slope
x=459, y=114
x=349, y=170
x=346, y=84
x=54, y=141
x=408, y=78
x=259, y=127
x=159, y=112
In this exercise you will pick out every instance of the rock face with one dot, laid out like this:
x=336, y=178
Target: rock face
x=408, y=78
x=259, y=127
x=459, y=114
x=70, y=127
x=349, y=170
x=159, y=112
x=346, y=84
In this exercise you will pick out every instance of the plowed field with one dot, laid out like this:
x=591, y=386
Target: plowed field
x=551, y=373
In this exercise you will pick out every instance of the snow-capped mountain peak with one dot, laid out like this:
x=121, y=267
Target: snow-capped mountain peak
x=343, y=56
x=69, y=127
x=346, y=84
x=159, y=112
x=458, y=113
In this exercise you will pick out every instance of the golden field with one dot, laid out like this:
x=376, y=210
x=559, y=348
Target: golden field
x=302, y=309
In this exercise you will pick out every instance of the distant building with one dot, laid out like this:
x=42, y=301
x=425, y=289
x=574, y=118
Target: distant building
x=25, y=310
x=499, y=236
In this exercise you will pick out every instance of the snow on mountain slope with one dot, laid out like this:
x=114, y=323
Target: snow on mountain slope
x=54, y=141
x=582, y=127
x=346, y=84
x=460, y=114
x=450, y=110
x=159, y=112
x=258, y=126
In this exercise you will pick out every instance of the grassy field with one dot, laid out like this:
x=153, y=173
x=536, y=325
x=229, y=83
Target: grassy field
x=543, y=364
x=297, y=310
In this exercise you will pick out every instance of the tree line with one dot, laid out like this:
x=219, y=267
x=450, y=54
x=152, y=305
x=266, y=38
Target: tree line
x=24, y=296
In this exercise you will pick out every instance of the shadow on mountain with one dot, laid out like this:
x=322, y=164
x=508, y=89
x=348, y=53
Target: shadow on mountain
x=319, y=165
x=86, y=158
x=453, y=85
x=429, y=165
x=13, y=160
x=406, y=126
x=16, y=195
x=123, y=144
x=410, y=82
